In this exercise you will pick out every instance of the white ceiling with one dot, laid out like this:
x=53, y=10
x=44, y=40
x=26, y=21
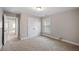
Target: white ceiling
x=29, y=10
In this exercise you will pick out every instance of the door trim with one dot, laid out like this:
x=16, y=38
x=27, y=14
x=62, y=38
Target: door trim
x=2, y=29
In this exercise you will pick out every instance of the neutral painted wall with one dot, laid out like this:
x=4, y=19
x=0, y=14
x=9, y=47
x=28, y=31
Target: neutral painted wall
x=17, y=27
x=23, y=25
x=66, y=25
x=29, y=26
x=0, y=28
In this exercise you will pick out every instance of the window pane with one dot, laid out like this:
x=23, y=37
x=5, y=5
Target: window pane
x=46, y=25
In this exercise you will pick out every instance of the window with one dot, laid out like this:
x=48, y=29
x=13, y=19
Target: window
x=46, y=25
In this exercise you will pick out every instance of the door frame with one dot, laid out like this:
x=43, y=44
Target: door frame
x=2, y=29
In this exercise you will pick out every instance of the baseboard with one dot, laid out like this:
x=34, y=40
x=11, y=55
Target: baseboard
x=67, y=41
x=23, y=38
x=0, y=46
x=34, y=37
x=57, y=38
x=50, y=36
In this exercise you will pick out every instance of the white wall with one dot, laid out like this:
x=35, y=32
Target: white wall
x=34, y=27
x=0, y=28
x=66, y=25
x=23, y=26
x=29, y=26
x=16, y=26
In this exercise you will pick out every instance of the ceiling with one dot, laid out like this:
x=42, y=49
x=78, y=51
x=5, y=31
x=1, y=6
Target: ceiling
x=29, y=10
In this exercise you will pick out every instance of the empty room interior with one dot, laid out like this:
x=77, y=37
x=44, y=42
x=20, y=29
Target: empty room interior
x=39, y=29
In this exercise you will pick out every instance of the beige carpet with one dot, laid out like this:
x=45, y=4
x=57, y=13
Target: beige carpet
x=38, y=44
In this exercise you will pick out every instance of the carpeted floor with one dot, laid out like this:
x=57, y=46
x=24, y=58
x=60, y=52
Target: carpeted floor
x=38, y=44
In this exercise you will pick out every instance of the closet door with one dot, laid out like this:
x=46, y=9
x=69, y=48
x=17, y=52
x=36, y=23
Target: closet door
x=34, y=27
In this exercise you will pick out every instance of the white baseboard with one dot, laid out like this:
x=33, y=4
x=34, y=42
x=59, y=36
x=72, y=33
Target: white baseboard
x=67, y=41
x=48, y=35
x=23, y=38
x=0, y=46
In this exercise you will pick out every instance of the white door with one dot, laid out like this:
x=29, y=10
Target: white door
x=10, y=30
x=6, y=23
x=34, y=27
x=0, y=30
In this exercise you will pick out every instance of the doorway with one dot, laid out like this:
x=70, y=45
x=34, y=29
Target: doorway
x=10, y=27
